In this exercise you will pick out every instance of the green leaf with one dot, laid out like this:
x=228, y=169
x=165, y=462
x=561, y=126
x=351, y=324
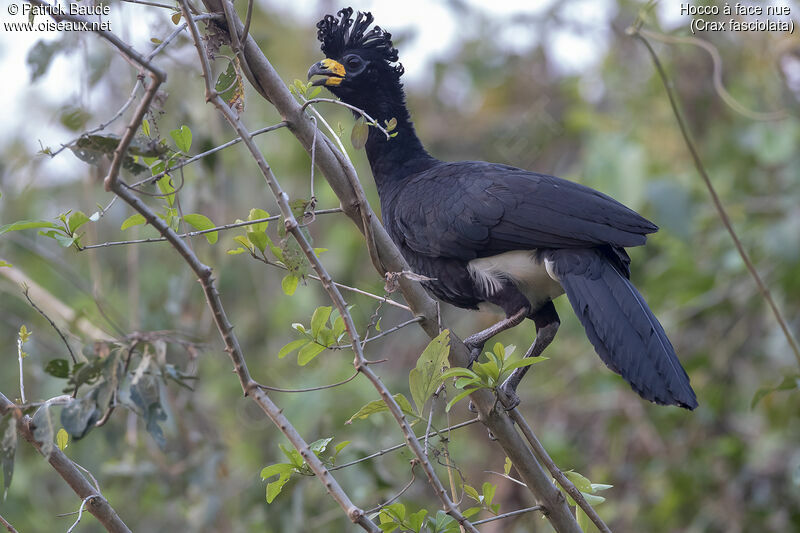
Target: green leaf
x=146, y=127
x=293, y=455
x=176, y=17
x=358, y=137
x=580, y=482
x=308, y=352
x=258, y=239
x=230, y=86
x=258, y=214
x=379, y=406
x=415, y=520
x=426, y=377
x=274, y=488
x=523, y=362
x=166, y=188
x=133, y=220
x=319, y=318
x=472, y=493
x=58, y=368
x=458, y=397
x=593, y=499
x=28, y=224
x=76, y=220
x=388, y=527
x=62, y=439
x=200, y=223
x=507, y=466
x=292, y=346
x=488, y=492
x=289, y=284
x=339, y=447
x=275, y=470
x=319, y=446
x=183, y=138
x=472, y=511
x=458, y=372
x=338, y=327
x=5, y=264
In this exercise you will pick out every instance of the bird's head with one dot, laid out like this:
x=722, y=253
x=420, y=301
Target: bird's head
x=359, y=60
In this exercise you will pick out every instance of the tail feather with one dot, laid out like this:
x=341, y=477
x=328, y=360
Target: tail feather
x=621, y=327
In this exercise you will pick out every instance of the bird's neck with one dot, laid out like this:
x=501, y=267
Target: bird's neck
x=393, y=159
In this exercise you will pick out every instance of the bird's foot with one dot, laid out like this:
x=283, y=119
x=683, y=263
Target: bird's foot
x=475, y=350
x=508, y=395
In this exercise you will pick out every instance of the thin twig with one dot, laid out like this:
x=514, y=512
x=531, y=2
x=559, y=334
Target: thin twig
x=369, y=119
x=509, y=514
x=201, y=232
x=635, y=31
x=401, y=445
x=53, y=324
x=410, y=321
x=80, y=512
x=396, y=496
x=310, y=389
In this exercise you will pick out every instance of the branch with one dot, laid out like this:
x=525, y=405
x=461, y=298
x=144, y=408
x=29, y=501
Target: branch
x=343, y=180
x=94, y=501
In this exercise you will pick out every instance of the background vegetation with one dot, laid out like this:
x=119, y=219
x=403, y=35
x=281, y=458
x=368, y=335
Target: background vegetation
x=729, y=466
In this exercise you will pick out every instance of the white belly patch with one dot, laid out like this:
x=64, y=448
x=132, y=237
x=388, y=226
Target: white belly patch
x=532, y=278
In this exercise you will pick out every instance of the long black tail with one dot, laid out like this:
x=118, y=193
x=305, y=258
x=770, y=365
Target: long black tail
x=620, y=325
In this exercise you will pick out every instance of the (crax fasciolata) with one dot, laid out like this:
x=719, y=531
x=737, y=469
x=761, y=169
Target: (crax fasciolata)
x=490, y=233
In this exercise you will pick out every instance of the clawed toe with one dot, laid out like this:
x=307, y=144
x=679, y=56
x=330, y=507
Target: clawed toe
x=508, y=396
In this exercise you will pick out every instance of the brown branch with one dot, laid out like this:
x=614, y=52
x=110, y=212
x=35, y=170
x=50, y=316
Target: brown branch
x=63, y=465
x=386, y=257
x=7, y=525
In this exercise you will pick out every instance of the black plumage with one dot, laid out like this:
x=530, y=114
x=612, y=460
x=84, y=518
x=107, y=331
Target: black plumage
x=490, y=233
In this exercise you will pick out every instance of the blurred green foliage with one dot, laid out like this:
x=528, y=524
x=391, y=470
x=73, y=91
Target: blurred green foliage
x=726, y=467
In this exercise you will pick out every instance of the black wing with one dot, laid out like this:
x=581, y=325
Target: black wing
x=474, y=209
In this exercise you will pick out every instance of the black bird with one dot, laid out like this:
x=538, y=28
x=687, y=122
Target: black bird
x=490, y=233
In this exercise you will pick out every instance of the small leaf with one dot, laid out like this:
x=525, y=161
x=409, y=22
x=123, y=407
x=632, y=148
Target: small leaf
x=320, y=445
x=5, y=264
x=358, y=137
x=319, y=318
x=258, y=239
x=308, y=352
x=133, y=220
x=201, y=223
x=488, y=492
x=62, y=439
x=24, y=334
x=292, y=346
x=58, y=368
x=580, y=482
x=789, y=382
x=176, y=18
x=460, y=396
x=76, y=220
x=289, y=284
x=276, y=469
x=274, y=488
x=183, y=138
x=339, y=447
x=166, y=188
x=379, y=406
x=507, y=466
x=472, y=493
x=27, y=224
x=146, y=127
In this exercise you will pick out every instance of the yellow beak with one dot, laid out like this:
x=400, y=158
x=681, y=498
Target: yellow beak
x=333, y=72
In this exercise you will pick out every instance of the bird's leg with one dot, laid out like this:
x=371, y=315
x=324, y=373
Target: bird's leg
x=547, y=322
x=475, y=342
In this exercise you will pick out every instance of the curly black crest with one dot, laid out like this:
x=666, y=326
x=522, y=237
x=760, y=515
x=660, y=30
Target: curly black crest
x=344, y=33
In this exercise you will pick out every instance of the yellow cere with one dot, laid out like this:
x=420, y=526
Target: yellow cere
x=333, y=81
x=335, y=67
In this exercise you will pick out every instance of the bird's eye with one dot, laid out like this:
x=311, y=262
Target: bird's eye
x=353, y=62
